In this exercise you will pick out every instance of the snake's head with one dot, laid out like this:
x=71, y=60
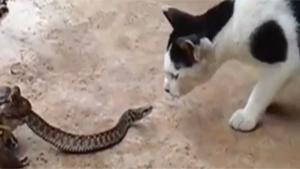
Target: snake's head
x=16, y=106
x=137, y=114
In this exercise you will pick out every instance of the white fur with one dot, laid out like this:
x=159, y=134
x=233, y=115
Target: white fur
x=233, y=43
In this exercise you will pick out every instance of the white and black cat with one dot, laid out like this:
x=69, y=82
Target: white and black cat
x=264, y=33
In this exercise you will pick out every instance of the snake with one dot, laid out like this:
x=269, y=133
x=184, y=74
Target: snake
x=18, y=107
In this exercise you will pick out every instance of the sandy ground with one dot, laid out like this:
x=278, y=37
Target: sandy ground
x=82, y=63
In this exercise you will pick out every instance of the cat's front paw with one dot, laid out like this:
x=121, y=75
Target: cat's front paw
x=242, y=122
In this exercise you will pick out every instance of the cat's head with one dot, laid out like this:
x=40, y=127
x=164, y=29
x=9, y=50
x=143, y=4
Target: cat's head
x=3, y=9
x=187, y=58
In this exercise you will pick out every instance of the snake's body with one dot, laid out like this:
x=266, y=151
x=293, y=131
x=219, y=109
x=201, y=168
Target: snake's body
x=73, y=143
x=19, y=108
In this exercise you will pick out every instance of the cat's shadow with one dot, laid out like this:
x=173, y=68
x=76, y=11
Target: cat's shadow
x=283, y=112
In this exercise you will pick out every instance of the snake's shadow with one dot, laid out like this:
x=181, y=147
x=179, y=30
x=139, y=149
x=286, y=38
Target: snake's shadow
x=147, y=129
x=140, y=127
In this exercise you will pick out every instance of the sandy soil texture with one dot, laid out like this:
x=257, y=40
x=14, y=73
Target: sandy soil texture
x=83, y=62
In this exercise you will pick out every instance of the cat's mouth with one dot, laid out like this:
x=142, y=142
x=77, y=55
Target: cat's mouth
x=172, y=96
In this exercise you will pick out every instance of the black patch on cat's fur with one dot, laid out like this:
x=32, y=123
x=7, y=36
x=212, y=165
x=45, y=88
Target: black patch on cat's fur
x=295, y=5
x=180, y=57
x=206, y=25
x=268, y=43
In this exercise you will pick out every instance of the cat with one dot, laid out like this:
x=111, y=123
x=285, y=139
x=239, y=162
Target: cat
x=262, y=33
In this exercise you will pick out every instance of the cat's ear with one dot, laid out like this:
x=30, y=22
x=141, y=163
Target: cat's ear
x=196, y=46
x=203, y=49
x=176, y=17
x=186, y=44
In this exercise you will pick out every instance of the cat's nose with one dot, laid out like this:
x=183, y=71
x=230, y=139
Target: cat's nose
x=167, y=90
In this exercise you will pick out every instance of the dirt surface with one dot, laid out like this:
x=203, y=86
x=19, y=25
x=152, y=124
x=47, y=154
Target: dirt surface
x=82, y=63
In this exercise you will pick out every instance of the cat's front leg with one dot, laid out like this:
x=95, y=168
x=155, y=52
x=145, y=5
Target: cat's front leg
x=272, y=79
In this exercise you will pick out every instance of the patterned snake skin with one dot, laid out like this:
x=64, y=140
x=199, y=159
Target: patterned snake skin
x=20, y=108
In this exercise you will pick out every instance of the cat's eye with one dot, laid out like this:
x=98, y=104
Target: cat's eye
x=173, y=76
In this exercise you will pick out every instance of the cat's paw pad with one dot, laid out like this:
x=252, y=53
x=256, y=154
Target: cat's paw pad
x=242, y=122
